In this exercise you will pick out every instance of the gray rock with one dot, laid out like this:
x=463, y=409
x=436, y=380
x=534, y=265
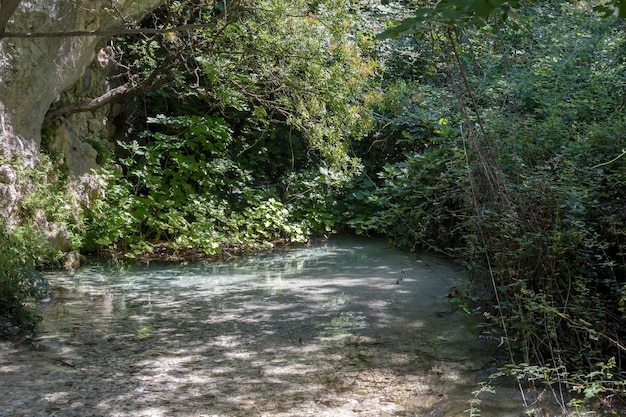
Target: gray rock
x=9, y=198
x=7, y=174
x=80, y=157
x=35, y=71
x=73, y=260
x=59, y=238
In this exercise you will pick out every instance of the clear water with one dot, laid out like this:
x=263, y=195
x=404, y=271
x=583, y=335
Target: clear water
x=344, y=327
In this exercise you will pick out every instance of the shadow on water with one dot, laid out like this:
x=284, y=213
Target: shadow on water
x=349, y=327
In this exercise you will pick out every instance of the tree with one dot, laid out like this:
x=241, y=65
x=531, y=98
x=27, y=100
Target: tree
x=249, y=135
x=547, y=88
x=169, y=22
x=453, y=12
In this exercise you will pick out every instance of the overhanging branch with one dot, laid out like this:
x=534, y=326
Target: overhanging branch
x=88, y=105
x=153, y=82
x=108, y=33
x=157, y=78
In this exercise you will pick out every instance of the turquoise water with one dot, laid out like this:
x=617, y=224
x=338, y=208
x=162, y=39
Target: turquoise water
x=343, y=327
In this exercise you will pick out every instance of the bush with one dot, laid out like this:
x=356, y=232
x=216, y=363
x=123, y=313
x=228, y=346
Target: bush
x=546, y=232
x=189, y=188
x=21, y=285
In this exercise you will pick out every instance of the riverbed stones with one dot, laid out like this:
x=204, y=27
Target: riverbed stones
x=204, y=366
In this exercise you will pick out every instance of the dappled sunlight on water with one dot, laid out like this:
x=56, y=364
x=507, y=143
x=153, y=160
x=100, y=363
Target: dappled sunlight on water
x=348, y=327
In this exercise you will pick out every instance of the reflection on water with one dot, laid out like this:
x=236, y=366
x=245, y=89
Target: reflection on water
x=342, y=274
x=336, y=320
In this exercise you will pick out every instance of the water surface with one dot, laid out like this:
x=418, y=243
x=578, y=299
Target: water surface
x=348, y=327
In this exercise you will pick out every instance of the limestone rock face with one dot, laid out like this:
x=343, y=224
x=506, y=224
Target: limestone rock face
x=9, y=196
x=8, y=191
x=35, y=71
x=79, y=135
x=7, y=174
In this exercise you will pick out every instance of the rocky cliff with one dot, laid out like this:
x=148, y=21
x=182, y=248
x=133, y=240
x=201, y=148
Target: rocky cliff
x=36, y=72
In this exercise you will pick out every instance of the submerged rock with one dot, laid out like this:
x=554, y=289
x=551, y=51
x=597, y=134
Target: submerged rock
x=73, y=260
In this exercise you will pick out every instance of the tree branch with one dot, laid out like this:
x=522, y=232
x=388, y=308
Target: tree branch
x=88, y=105
x=152, y=82
x=107, y=33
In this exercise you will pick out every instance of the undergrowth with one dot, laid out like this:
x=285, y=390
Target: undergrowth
x=21, y=285
x=194, y=194
x=518, y=175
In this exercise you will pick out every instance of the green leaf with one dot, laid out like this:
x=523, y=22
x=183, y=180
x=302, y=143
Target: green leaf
x=404, y=27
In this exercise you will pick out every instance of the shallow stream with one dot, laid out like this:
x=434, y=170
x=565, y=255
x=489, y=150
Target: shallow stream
x=348, y=327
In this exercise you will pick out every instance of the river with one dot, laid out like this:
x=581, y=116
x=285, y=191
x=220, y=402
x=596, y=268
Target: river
x=346, y=327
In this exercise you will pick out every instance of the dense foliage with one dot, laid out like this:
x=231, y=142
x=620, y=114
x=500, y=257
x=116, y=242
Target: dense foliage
x=493, y=132
x=21, y=285
x=503, y=148
x=247, y=144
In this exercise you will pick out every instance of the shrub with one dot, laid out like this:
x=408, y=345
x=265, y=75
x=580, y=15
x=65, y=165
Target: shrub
x=21, y=285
